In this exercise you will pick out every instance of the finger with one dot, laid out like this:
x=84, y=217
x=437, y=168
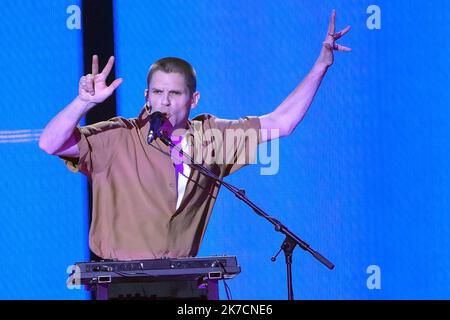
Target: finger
x=331, y=25
x=339, y=47
x=83, y=82
x=341, y=33
x=114, y=85
x=107, y=69
x=94, y=64
x=90, y=84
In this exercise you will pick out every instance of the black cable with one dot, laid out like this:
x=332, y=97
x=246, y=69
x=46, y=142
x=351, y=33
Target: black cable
x=225, y=284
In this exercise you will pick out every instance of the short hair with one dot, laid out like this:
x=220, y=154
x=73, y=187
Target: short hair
x=177, y=65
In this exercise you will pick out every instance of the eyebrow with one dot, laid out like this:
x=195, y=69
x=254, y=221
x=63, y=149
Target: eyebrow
x=175, y=90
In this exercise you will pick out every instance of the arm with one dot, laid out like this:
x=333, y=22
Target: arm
x=58, y=137
x=291, y=111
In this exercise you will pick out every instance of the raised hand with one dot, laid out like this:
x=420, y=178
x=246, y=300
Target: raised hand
x=326, y=56
x=92, y=87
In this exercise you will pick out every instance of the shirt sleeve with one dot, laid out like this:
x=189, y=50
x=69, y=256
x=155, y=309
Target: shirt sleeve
x=96, y=144
x=240, y=139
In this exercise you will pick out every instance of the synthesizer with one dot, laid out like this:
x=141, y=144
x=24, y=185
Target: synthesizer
x=107, y=271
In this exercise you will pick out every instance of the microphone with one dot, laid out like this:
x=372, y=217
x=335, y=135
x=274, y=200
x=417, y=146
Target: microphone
x=156, y=121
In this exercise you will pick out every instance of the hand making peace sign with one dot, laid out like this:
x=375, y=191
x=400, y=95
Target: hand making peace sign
x=329, y=45
x=92, y=87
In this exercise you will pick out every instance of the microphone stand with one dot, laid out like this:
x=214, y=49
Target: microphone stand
x=291, y=240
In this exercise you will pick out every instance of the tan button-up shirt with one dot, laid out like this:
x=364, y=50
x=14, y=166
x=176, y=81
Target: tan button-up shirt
x=134, y=214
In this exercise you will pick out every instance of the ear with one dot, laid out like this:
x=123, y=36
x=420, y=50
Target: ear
x=146, y=98
x=195, y=99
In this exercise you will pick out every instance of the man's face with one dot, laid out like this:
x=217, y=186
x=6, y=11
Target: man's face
x=169, y=94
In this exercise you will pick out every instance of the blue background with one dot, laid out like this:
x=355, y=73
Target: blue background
x=43, y=207
x=364, y=179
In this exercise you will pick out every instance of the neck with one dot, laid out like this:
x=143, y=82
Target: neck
x=175, y=132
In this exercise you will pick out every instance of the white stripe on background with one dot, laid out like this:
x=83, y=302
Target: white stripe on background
x=16, y=136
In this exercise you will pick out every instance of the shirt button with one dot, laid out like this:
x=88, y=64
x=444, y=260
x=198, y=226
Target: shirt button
x=171, y=185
